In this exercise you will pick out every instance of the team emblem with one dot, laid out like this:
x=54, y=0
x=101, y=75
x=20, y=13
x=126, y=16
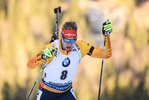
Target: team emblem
x=66, y=62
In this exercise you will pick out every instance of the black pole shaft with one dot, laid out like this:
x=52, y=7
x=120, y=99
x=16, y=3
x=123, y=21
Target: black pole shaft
x=34, y=85
x=43, y=66
x=102, y=66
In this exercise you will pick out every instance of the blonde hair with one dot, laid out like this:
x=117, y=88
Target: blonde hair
x=70, y=25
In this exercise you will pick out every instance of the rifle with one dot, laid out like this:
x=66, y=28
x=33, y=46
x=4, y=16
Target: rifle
x=56, y=33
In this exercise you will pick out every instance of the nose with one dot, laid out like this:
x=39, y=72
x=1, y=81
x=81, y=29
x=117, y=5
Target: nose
x=69, y=44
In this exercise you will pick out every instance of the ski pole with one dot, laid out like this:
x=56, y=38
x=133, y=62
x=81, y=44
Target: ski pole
x=43, y=66
x=102, y=62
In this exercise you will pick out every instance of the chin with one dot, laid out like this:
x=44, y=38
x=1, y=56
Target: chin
x=68, y=49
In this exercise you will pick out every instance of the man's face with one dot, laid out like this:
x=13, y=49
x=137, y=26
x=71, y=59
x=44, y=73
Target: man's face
x=68, y=43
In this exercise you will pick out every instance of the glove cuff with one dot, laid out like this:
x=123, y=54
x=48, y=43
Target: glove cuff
x=43, y=56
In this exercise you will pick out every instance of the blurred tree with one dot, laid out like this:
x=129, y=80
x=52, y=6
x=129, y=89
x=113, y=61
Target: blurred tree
x=139, y=2
x=27, y=25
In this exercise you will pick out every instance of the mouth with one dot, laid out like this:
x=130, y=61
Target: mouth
x=68, y=47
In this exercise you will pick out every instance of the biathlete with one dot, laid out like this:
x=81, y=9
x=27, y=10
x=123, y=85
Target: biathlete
x=63, y=56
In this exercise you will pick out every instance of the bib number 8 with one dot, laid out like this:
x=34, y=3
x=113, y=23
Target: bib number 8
x=64, y=74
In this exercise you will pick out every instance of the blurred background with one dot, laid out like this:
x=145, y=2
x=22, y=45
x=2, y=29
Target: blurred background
x=26, y=26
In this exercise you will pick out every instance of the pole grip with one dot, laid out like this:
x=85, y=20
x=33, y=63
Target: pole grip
x=108, y=32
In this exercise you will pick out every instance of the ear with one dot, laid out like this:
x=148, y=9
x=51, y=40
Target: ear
x=61, y=36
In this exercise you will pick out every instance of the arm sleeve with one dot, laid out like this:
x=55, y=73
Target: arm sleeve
x=98, y=52
x=87, y=49
x=84, y=47
x=37, y=60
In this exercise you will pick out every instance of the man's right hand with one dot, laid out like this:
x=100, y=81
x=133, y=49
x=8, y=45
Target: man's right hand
x=47, y=52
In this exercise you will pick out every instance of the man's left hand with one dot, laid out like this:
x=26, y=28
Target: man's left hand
x=106, y=27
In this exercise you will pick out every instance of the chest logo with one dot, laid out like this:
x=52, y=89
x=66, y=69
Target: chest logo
x=66, y=62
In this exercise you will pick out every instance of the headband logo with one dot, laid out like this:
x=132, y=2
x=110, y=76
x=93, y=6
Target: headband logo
x=70, y=34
